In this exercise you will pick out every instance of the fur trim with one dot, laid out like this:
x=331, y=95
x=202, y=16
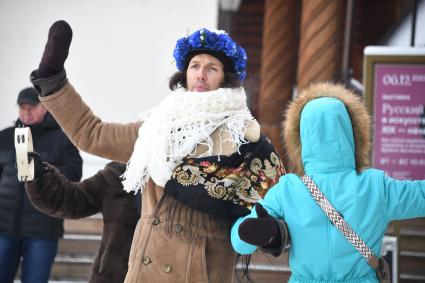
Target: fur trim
x=360, y=119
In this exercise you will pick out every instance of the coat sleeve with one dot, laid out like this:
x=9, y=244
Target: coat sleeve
x=403, y=199
x=272, y=204
x=70, y=162
x=88, y=132
x=53, y=194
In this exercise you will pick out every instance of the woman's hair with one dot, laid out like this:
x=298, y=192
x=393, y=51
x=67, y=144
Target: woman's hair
x=179, y=79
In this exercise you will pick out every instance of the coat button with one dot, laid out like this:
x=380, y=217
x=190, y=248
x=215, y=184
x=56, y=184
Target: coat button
x=178, y=228
x=155, y=221
x=146, y=260
x=167, y=268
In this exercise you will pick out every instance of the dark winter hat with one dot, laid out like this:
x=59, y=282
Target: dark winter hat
x=28, y=95
x=216, y=43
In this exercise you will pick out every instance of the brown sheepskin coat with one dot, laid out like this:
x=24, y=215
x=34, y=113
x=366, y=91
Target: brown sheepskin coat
x=154, y=255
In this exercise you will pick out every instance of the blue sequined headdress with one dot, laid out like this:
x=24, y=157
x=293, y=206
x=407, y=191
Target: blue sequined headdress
x=214, y=41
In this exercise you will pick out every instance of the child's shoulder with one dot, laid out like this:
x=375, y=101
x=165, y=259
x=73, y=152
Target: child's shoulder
x=289, y=178
x=372, y=172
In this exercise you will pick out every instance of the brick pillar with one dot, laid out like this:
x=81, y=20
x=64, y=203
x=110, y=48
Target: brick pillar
x=277, y=66
x=321, y=36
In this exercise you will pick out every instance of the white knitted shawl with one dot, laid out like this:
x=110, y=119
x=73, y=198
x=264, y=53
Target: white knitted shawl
x=181, y=122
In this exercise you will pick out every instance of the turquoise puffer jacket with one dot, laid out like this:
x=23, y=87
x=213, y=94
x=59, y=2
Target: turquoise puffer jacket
x=368, y=200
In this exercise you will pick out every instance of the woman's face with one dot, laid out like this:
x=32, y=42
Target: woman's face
x=204, y=73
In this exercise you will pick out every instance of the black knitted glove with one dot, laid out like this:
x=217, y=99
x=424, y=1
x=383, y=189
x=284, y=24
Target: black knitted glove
x=39, y=168
x=56, y=50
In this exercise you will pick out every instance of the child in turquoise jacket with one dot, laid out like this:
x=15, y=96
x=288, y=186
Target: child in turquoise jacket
x=327, y=136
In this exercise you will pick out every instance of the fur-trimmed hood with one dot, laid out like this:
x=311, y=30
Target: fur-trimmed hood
x=322, y=136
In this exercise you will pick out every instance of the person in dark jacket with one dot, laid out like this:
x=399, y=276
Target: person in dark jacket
x=52, y=193
x=26, y=233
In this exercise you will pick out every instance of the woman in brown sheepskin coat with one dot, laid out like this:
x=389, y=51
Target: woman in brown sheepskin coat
x=199, y=156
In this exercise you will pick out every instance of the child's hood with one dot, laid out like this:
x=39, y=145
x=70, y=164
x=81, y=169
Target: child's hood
x=327, y=128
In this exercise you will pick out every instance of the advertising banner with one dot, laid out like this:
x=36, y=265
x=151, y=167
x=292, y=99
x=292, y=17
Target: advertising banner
x=395, y=94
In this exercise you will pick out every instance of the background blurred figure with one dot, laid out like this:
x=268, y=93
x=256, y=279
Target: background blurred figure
x=26, y=233
x=52, y=193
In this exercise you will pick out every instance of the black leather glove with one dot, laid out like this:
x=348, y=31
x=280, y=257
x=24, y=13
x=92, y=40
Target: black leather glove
x=56, y=50
x=39, y=168
x=262, y=231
